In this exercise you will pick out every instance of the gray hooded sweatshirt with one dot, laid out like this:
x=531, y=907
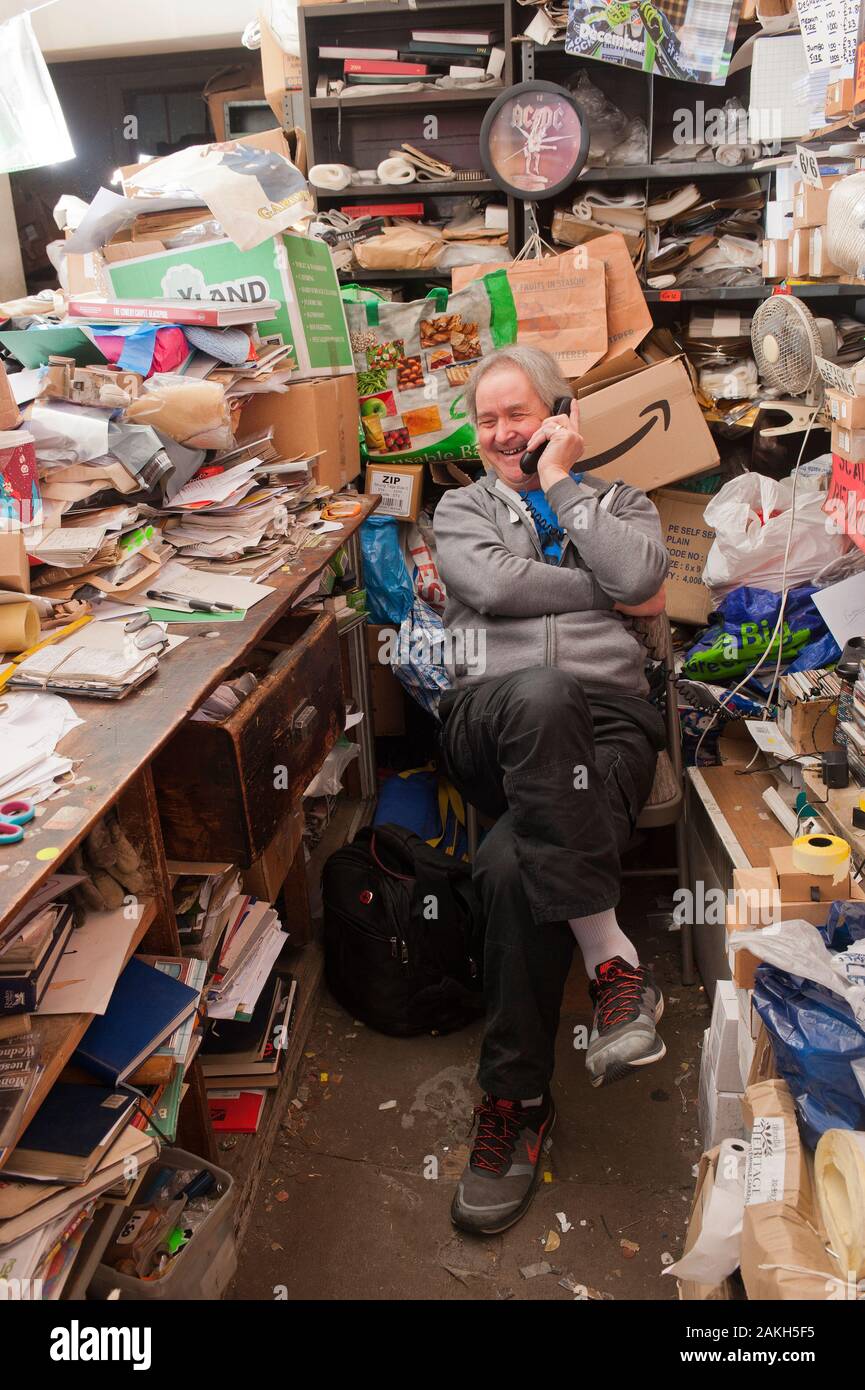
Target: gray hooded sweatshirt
x=512, y=610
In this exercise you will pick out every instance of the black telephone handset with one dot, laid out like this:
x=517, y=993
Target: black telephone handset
x=532, y=457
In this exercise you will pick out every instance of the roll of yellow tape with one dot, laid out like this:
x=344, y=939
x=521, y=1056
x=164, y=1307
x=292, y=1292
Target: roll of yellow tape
x=839, y=1176
x=822, y=854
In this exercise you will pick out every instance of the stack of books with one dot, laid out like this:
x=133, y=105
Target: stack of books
x=239, y=1054
x=468, y=55
x=30, y=950
x=20, y=1067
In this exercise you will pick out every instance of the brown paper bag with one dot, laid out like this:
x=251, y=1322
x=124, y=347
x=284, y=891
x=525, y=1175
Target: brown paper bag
x=404, y=247
x=627, y=313
x=780, y=1238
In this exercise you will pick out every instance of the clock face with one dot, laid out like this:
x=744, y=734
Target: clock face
x=534, y=140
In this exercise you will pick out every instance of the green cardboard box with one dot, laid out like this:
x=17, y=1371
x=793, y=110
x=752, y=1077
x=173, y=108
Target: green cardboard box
x=296, y=270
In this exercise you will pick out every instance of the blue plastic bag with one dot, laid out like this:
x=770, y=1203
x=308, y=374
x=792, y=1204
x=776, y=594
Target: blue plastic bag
x=744, y=623
x=815, y=1038
x=389, y=592
x=845, y=924
x=422, y=800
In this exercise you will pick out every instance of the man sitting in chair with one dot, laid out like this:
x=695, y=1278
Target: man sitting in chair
x=553, y=733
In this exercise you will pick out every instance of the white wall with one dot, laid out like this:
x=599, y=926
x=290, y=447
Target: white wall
x=11, y=274
x=79, y=29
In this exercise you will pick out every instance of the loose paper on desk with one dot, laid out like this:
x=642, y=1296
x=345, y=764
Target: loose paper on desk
x=842, y=608
x=31, y=726
x=214, y=588
x=216, y=487
x=87, y=971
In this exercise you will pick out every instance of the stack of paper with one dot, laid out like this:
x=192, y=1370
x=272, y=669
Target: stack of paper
x=71, y=547
x=31, y=726
x=185, y=584
x=100, y=659
x=216, y=489
x=252, y=943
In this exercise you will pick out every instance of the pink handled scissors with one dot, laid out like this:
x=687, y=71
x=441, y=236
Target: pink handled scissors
x=13, y=815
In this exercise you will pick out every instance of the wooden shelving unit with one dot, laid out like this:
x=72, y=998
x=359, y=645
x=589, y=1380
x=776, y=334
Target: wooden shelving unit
x=350, y=130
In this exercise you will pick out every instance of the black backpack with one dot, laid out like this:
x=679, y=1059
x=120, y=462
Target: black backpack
x=402, y=934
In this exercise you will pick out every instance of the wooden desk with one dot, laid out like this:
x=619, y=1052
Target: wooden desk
x=112, y=751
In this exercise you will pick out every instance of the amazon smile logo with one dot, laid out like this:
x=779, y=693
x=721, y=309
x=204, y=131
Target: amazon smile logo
x=658, y=413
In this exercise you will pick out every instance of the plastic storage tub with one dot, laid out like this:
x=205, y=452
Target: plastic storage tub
x=204, y=1269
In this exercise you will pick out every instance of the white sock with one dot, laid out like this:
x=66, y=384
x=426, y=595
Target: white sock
x=535, y=1100
x=600, y=937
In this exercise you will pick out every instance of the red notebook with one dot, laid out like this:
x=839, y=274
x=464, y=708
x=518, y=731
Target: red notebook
x=237, y=1113
x=378, y=67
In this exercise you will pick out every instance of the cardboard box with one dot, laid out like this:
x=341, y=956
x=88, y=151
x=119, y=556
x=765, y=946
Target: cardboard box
x=808, y=254
x=811, y=205
x=849, y=443
x=745, y=1048
x=755, y=898
x=297, y=271
x=719, y=1112
x=797, y=885
x=809, y=724
x=749, y=1019
x=775, y=259
x=400, y=486
x=281, y=73
x=14, y=565
x=388, y=705
x=266, y=875
x=763, y=1066
x=839, y=98
x=845, y=410
x=779, y=218
x=689, y=1290
x=230, y=84
x=800, y=251
x=312, y=417
x=647, y=427
x=820, y=266
x=10, y=415
x=688, y=540
x=722, y=1056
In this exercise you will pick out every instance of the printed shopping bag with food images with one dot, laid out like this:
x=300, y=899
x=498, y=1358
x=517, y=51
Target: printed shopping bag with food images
x=413, y=361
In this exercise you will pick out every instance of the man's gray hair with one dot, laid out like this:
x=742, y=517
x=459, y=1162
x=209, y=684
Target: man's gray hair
x=539, y=367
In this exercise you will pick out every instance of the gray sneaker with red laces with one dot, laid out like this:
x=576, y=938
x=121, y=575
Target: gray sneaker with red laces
x=502, y=1173
x=628, y=1004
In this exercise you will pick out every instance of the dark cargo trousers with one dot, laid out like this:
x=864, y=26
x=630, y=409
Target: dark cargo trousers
x=566, y=771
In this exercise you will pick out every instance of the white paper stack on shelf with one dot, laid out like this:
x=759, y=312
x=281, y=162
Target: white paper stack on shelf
x=257, y=523
x=251, y=945
x=188, y=587
x=71, y=547
x=721, y=1082
x=31, y=726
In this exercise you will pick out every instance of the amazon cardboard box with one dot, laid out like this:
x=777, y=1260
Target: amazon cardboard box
x=688, y=540
x=312, y=417
x=645, y=428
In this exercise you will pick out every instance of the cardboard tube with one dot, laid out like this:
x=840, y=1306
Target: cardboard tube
x=19, y=627
x=839, y=1175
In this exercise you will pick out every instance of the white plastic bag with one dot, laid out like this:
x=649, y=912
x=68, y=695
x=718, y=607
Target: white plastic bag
x=32, y=128
x=751, y=518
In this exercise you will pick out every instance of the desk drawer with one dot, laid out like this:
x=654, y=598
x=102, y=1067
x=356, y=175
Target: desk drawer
x=224, y=788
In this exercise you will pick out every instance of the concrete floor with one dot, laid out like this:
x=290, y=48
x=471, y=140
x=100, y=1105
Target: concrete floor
x=346, y=1211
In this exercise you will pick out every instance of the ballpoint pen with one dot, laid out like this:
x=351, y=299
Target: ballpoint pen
x=197, y=605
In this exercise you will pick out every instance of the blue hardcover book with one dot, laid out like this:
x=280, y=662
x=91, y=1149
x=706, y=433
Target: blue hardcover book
x=144, y=1010
x=70, y=1132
